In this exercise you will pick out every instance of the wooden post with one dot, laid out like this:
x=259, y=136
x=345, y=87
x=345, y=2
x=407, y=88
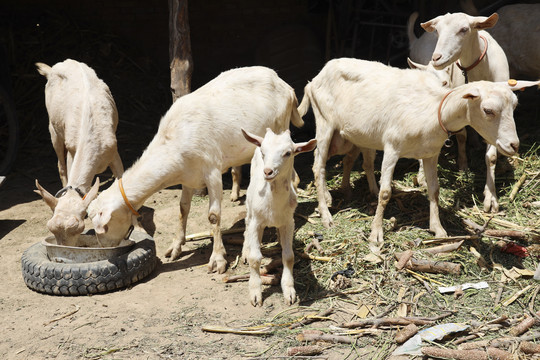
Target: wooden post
x=180, y=60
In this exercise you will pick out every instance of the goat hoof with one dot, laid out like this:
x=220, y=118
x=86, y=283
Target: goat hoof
x=173, y=253
x=217, y=263
x=290, y=296
x=256, y=298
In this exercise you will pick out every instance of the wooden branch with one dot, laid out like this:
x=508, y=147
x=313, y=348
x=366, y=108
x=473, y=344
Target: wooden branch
x=315, y=335
x=517, y=186
x=309, y=320
x=529, y=347
x=269, y=279
x=444, y=248
x=481, y=230
x=394, y=321
x=490, y=353
x=439, y=267
x=404, y=259
x=500, y=342
x=406, y=333
x=305, y=350
x=524, y=325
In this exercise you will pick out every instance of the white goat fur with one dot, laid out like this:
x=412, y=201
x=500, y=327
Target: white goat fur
x=376, y=107
x=270, y=202
x=459, y=39
x=82, y=122
x=198, y=139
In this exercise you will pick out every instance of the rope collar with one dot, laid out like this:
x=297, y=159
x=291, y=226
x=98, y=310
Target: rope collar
x=447, y=142
x=464, y=70
x=126, y=201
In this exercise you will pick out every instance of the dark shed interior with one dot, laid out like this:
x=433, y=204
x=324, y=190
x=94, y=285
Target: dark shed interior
x=126, y=43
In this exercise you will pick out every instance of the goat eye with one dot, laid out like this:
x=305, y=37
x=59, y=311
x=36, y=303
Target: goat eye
x=444, y=83
x=463, y=30
x=287, y=154
x=489, y=111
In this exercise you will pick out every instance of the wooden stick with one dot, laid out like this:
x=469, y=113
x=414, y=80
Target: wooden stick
x=500, y=342
x=406, y=333
x=444, y=248
x=77, y=308
x=490, y=353
x=394, y=321
x=309, y=320
x=209, y=234
x=320, y=336
x=267, y=279
x=529, y=347
x=239, y=331
x=440, y=267
x=305, y=350
x=524, y=325
x=404, y=259
x=517, y=186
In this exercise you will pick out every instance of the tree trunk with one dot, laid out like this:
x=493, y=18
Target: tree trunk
x=181, y=62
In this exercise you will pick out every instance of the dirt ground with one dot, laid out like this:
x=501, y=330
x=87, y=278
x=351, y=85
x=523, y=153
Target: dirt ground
x=158, y=318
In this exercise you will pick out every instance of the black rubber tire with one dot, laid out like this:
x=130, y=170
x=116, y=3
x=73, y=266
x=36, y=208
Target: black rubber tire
x=49, y=277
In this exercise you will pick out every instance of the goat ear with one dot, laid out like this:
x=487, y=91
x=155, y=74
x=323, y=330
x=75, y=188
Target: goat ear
x=429, y=26
x=252, y=138
x=91, y=195
x=481, y=22
x=414, y=65
x=100, y=221
x=305, y=146
x=515, y=85
x=47, y=197
x=472, y=94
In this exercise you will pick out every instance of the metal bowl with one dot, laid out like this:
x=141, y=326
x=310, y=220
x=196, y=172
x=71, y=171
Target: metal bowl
x=87, y=249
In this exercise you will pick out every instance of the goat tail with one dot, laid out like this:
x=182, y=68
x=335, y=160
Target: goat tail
x=410, y=28
x=43, y=69
x=306, y=101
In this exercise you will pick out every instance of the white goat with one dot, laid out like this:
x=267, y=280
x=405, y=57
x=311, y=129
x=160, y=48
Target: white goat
x=461, y=37
x=518, y=33
x=83, y=120
x=377, y=107
x=271, y=201
x=198, y=139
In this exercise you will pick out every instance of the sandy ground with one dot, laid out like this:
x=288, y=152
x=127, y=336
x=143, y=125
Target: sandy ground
x=159, y=317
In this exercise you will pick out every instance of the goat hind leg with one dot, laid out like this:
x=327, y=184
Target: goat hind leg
x=175, y=249
x=430, y=167
x=215, y=194
x=287, y=280
x=490, y=193
x=236, y=173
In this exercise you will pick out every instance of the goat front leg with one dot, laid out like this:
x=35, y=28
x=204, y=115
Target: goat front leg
x=369, y=168
x=490, y=193
x=252, y=238
x=175, y=249
x=462, y=161
x=390, y=159
x=324, y=137
x=60, y=150
x=430, y=168
x=236, y=173
x=215, y=193
x=287, y=280
x=348, y=162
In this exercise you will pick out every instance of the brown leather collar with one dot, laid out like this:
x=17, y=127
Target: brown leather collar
x=473, y=65
x=133, y=211
x=447, y=142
